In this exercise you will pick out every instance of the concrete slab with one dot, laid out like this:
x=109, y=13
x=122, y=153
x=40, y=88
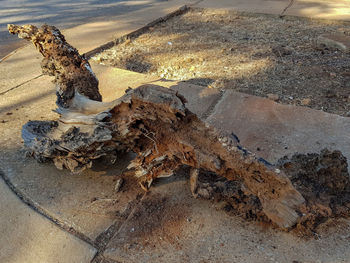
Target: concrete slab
x=63, y=13
x=22, y=66
x=171, y=226
x=324, y=9
x=91, y=35
x=26, y=236
x=200, y=100
x=115, y=81
x=40, y=90
x=273, y=130
x=253, y=6
x=154, y=12
x=87, y=203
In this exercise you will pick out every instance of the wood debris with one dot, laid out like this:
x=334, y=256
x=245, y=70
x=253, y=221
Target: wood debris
x=151, y=121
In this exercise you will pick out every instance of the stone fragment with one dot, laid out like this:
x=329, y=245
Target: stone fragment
x=281, y=51
x=306, y=101
x=273, y=97
x=278, y=129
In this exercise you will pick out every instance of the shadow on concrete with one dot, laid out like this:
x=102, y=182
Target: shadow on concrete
x=61, y=13
x=26, y=101
x=254, y=60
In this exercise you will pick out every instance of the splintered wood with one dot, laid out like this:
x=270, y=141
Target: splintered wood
x=151, y=121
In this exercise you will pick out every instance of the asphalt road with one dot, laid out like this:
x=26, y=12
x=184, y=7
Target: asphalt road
x=61, y=13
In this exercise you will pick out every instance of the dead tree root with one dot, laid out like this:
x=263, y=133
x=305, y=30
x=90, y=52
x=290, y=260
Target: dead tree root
x=153, y=122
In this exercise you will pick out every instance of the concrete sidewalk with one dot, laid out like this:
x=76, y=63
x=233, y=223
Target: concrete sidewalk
x=322, y=9
x=63, y=14
x=94, y=223
x=24, y=64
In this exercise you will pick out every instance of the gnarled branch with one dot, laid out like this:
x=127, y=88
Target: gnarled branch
x=72, y=71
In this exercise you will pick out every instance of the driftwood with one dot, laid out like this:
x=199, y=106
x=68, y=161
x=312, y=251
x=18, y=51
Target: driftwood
x=151, y=121
x=72, y=72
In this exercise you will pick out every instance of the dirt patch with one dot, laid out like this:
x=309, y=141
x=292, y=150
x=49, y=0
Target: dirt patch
x=158, y=219
x=262, y=55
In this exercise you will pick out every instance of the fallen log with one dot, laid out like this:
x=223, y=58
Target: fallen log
x=151, y=121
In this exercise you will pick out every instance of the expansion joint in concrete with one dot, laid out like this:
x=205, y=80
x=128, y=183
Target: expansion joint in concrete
x=212, y=107
x=19, y=85
x=102, y=249
x=41, y=211
x=12, y=53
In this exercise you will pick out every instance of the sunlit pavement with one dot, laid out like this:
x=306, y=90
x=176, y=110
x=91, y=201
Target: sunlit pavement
x=61, y=13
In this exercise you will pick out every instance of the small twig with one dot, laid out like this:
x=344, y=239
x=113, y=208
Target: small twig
x=153, y=140
x=103, y=200
x=286, y=8
x=119, y=184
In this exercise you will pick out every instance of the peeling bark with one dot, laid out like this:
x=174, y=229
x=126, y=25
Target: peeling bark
x=151, y=121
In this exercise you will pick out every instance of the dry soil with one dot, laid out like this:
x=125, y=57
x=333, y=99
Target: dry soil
x=263, y=55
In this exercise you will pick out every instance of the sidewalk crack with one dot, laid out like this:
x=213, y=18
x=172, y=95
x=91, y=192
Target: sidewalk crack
x=212, y=107
x=19, y=85
x=42, y=212
x=111, y=232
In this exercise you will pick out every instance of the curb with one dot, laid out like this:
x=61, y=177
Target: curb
x=182, y=10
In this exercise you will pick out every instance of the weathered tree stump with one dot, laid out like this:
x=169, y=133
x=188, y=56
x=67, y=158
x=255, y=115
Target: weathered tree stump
x=151, y=121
